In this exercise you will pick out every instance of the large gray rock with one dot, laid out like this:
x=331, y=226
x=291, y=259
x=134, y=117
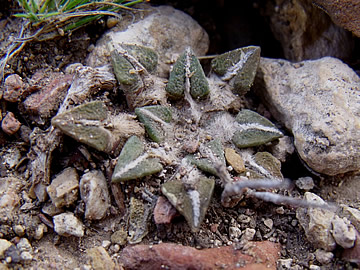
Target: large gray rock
x=319, y=102
x=168, y=31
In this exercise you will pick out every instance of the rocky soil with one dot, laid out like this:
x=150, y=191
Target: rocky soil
x=191, y=135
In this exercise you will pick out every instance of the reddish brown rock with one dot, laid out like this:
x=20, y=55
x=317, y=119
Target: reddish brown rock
x=164, y=212
x=345, y=13
x=14, y=88
x=10, y=125
x=45, y=101
x=255, y=255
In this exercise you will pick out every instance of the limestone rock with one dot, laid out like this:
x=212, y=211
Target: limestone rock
x=9, y=198
x=305, y=183
x=193, y=202
x=100, y=259
x=324, y=257
x=254, y=130
x=66, y=224
x=4, y=245
x=94, y=192
x=344, y=13
x=64, y=188
x=343, y=232
x=133, y=163
x=317, y=101
x=351, y=214
x=316, y=223
x=259, y=255
x=182, y=32
x=353, y=254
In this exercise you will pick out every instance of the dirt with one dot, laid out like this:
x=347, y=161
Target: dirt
x=56, y=252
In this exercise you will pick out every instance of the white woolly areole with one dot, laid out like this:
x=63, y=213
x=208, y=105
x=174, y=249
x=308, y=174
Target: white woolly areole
x=195, y=199
x=132, y=165
x=154, y=117
x=258, y=126
x=223, y=127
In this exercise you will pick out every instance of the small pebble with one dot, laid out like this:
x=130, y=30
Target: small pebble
x=10, y=125
x=314, y=267
x=106, y=244
x=248, y=234
x=280, y=210
x=19, y=230
x=324, y=257
x=269, y=223
x=305, y=183
x=284, y=263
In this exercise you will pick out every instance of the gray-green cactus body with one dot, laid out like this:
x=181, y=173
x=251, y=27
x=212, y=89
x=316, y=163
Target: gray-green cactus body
x=133, y=163
x=84, y=123
x=156, y=120
x=191, y=203
x=238, y=67
x=146, y=56
x=187, y=67
x=254, y=130
x=207, y=164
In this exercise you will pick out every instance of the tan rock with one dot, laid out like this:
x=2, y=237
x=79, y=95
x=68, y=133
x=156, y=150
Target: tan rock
x=100, y=259
x=235, y=160
x=258, y=255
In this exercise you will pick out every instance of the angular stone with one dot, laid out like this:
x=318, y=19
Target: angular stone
x=119, y=237
x=187, y=72
x=305, y=183
x=351, y=214
x=316, y=223
x=238, y=67
x=183, y=32
x=138, y=221
x=234, y=160
x=4, y=245
x=64, y=188
x=44, y=102
x=353, y=254
x=192, y=203
x=156, y=120
x=66, y=224
x=206, y=164
x=254, y=130
x=95, y=194
x=10, y=125
x=269, y=165
x=10, y=188
x=133, y=163
x=317, y=100
x=164, y=211
x=343, y=232
x=14, y=88
x=324, y=257
x=259, y=255
x=100, y=259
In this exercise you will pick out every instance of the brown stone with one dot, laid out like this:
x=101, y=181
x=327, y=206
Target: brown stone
x=164, y=212
x=10, y=125
x=14, y=88
x=48, y=98
x=235, y=160
x=100, y=259
x=345, y=13
x=255, y=255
